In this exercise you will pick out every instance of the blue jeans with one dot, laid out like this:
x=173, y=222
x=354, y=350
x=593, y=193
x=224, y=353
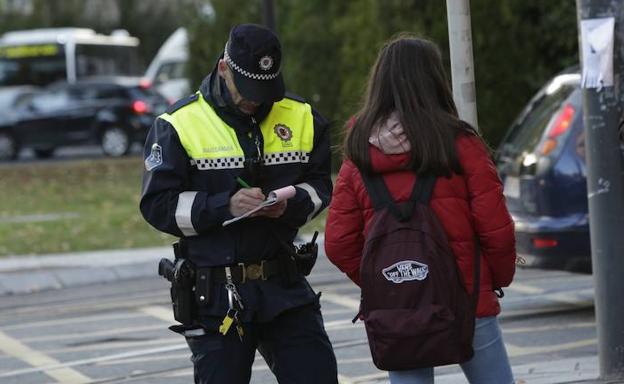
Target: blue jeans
x=489, y=364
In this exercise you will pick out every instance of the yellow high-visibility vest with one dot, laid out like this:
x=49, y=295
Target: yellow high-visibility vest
x=288, y=132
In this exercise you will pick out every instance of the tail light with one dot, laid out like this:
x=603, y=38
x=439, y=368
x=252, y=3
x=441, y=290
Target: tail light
x=145, y=83
x=561, y=125
x=140, y=107
x=541, y=243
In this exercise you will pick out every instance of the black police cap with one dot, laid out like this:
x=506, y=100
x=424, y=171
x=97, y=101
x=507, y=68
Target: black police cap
x=254, y=54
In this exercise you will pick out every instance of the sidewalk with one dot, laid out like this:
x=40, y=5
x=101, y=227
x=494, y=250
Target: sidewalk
x=26, y=274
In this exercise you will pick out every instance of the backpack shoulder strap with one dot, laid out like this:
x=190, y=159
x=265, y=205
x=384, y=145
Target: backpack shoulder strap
x=377, y=190
x=423, y=189
x=380, y=195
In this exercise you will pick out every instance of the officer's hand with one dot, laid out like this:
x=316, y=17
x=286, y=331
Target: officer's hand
x=275, y=210
x=244, y=200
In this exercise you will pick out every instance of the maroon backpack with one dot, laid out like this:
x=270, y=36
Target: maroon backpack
x=415, y=308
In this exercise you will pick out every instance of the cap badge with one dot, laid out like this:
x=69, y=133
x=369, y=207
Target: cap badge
x=283, y=132
x=266, y=62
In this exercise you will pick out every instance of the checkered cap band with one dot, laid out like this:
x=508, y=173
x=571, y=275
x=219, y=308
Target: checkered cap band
x=286, y=157
x=254, y=76
x=221, y=163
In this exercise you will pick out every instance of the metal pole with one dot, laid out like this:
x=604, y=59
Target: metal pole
x=462, y=63
x=605, y=180
x=268, y=15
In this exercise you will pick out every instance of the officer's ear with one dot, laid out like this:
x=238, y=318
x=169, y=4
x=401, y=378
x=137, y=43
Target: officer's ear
x=222, y=68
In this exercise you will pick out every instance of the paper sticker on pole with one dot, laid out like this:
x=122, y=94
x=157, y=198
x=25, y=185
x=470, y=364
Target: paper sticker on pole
x=597, y=37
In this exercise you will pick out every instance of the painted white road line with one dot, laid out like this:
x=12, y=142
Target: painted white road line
x=339, y=324
x=342, y=300
x=515, y=351
x=111, y=332
x=148, y=359
x=543, y=372
x=132, y=301
x=72, y=320
x=344, y=379
x=112, y=345
x=117, y=356
x=159, y=312
x=377, y=376
x=40, y=361
x=335, y=311
x=545, y=328
x=524, y=288
x=508, y=313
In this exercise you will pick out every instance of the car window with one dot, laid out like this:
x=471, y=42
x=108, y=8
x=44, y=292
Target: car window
x=110, y=93
x=13, y=98
x=7, y=100
x=170, y=71
x=144, y=93
x=526, y=133
x=81, y=93
x=50, y=101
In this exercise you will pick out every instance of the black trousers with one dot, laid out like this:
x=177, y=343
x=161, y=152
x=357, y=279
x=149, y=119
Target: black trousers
x=294, y=345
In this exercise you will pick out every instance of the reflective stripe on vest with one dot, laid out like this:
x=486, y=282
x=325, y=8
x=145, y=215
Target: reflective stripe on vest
x=288, y=132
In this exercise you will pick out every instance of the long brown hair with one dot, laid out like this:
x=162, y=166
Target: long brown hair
x=408, y=77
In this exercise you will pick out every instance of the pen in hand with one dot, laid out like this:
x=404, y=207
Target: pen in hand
x=243, y=183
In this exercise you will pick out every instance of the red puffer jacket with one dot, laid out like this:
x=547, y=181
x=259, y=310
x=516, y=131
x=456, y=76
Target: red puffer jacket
x=465, y=204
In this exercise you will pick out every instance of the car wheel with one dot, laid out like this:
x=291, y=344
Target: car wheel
x=8, y=147
x=44, y=153
x=115, y=141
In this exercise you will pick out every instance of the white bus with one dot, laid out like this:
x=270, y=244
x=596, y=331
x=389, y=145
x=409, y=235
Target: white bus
x=42, y=56
x=167, y=71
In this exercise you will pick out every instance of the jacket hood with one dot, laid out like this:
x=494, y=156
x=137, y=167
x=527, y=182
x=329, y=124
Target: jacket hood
x=389, y=136
x=390, y=148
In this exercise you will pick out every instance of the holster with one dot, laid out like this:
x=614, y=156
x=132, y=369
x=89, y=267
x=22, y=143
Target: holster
x=183, y=303
x=181, y=275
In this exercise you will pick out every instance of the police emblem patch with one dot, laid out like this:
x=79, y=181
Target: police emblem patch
x=266, y=62
x=155, y=157
x=283, y=132
x=406, y=270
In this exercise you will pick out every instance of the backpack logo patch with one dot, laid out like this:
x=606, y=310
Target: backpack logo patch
x=407, y=270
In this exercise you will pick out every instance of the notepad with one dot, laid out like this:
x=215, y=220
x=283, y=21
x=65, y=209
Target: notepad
x=272, y=198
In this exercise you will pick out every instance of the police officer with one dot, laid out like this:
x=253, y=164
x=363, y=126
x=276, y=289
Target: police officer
x=215, y=155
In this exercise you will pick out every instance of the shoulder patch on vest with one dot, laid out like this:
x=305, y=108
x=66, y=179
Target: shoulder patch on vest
x=182, y=103
x=295, y=97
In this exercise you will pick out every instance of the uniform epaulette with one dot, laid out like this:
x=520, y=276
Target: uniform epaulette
x=182, y=103
x=295, y=97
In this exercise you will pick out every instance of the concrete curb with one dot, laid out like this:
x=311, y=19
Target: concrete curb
x=27, y=274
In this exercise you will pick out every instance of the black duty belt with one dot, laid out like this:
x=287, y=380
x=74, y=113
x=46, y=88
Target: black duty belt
x=242, y=272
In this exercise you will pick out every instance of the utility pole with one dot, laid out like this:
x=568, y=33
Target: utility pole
x=603, y=95
x=268, y=15
x=462, y=63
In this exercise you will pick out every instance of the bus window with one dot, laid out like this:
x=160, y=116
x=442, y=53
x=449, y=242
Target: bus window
x=104, y=60
x=32, y=64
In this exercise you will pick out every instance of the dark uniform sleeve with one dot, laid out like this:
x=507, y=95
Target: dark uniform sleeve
x=167, y=201
x=314, y=189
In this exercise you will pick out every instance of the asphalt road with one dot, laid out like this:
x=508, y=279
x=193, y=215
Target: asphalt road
x=27, y=155
x=117, y=333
